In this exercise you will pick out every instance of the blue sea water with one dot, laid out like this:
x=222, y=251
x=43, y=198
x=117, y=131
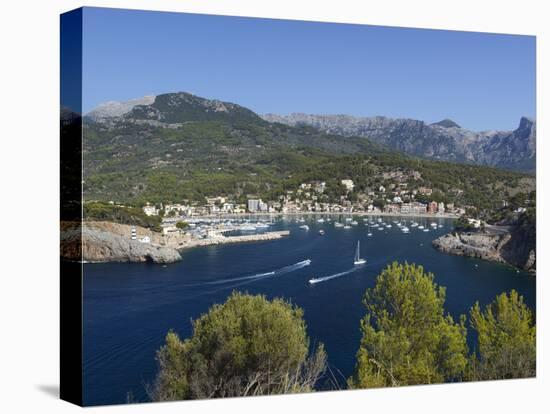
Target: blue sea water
x=129, y=308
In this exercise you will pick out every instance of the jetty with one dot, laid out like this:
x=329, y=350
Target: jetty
x=272, y=235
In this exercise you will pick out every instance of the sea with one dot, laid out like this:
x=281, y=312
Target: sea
x=128, y=308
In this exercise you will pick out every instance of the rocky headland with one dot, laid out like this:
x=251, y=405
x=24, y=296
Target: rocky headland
x=503, y=245
x=100, y=245
x=101, y=241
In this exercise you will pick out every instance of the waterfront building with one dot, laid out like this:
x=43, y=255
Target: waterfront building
x=432, y=207
x=213, y=209
x=228, y=207
x=418, y=208
x=254, y=205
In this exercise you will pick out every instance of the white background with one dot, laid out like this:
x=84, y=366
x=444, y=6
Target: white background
x=29, y=192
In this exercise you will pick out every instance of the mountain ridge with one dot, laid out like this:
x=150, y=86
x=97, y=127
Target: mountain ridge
x=443, y=140
x=185, y=147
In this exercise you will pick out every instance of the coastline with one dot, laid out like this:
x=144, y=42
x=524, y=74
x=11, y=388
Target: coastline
x=494, y=246
x=320, y=213
x=104, y=242
x=110, y=242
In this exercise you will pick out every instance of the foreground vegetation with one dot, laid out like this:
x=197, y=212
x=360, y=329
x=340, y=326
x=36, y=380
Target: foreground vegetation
x=246, y=346
x=407, y=338
x=252, y=346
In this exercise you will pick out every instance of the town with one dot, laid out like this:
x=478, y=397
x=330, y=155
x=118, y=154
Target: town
x=308, y=198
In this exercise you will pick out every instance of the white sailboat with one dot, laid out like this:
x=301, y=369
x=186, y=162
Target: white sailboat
x=357, y=260
x=369, y=234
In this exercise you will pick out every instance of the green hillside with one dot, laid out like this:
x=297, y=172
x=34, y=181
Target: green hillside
x=184, y=147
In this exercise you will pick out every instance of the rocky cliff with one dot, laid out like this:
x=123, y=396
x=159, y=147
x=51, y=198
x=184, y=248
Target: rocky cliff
x=505, y=247
x=101, y=245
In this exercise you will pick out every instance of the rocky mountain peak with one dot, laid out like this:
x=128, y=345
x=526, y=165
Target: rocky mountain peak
x=179, y=107
x=112, y=109
x=526, y=123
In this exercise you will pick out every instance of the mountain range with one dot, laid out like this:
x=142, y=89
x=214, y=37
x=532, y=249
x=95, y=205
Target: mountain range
x=179, y=146
x=444, y=140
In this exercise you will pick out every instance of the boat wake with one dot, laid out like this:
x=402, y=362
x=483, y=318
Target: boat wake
x=281, y=271
x=334, y=276
x=238, y=279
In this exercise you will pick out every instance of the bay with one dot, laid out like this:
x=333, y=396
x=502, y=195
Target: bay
x=128, y=308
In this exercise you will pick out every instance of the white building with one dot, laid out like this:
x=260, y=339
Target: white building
x=239, y=209
x=475, y=222
x=169, y=229
x=228, y=207
x=254, y=205
x=215, y=200
x=150, y=210
x=348, y=184
x=178, y=208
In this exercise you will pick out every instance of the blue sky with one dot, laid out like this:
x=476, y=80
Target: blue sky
x=481, y=81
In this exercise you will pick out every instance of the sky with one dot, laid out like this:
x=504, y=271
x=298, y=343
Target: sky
x=481, y=81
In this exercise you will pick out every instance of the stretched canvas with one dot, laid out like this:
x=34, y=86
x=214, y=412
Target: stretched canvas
x=255, y=206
